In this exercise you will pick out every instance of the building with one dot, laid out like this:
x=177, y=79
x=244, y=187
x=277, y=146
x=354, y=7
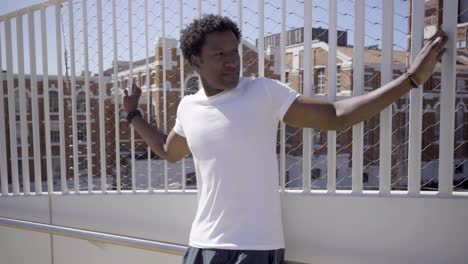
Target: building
x=372, y=60
x=55, y=126
x=296, y=36
x=155, y=93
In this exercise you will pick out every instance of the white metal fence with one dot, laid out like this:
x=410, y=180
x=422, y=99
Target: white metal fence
x=79, y=55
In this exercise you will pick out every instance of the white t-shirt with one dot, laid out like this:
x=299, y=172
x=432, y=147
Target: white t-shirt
x=232, y=137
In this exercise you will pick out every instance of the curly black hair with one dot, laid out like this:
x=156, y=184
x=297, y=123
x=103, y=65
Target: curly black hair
x=193, y=36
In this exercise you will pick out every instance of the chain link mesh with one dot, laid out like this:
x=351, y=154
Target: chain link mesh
x=135, y=50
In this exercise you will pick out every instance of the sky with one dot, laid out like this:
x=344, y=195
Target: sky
x=272, y=22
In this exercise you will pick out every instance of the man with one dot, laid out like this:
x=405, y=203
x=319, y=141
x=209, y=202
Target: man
x=230, y=125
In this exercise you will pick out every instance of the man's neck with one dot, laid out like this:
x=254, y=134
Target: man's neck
x=210, y=91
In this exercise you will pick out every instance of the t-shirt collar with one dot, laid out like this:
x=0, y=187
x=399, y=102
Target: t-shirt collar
x=217, y=97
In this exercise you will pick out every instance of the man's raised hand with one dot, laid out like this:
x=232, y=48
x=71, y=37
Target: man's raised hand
x=130, y=102
x=424, y=64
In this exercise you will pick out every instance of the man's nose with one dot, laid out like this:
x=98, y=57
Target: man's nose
x=231, y=61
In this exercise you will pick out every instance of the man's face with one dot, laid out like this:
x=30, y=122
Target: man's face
x=218, y=63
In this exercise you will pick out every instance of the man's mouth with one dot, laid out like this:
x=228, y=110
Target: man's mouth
x=230, y=73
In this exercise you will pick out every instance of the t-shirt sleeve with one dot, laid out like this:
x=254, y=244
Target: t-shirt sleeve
x=178, y=128
x=282, y=96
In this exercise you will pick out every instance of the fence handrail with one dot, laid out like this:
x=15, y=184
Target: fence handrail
x=163, y=247
x=30, y=8
x=132, y=242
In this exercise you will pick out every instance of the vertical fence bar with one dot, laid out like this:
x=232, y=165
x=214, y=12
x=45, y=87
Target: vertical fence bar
x=182, y=87
x=240, y=11
x=358, y=84
x=23, y=105
x=102, y=94
x=148, y=90
x=416, y=97
x=220, y=7
x=283, y=80
x=261, y=46
x=130, y=82
x=88, y=101
x=307, y=91
x=11, y=109
x=200, y=8
x=45, y=93
x=385, y=149
x=63, y=157
x=73, y=95
x=3, y=148
x=164, y=76
x=331, y=135
x=447, y=100
x=116, y=98
x=34, y=105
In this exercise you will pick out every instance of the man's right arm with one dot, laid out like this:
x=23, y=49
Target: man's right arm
x=171, y=149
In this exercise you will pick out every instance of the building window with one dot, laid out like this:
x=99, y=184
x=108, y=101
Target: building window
x=82, y=166
x=20, y=170
x=319, y=80
x=301, y=81
x=55, y=136
x=318, y=140
x=53, y=102
x=315, y=173
x=461, y=44
x=286, y=77
x=191, y=180
x=18, y=134
x=368, y=81
x=54, y=133
x=191, y=86
x=287, y=180
x=435, y=83
x=18, y=101
x=56, y=167
x=81, y=102
x=338, y=79
x=152, y=78
x=122, y=115
x=367, y=138
x=124, y=146
x=459, y=124
x=365, y=176
x=437, y=123
x=461, y=85
x=81, y=132
x=143, y=80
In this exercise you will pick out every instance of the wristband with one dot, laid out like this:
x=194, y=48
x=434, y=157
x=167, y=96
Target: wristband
x=133, y=114
x=412, y=81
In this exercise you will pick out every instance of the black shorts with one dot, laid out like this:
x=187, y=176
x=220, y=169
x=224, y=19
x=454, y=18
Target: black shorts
x=226, y=256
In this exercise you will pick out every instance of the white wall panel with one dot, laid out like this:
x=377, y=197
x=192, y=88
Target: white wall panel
x=318, y=228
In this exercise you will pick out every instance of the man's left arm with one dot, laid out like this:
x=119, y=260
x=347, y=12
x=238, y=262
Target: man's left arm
x=316, y=113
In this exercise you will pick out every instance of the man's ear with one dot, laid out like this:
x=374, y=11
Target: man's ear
x=195, y=61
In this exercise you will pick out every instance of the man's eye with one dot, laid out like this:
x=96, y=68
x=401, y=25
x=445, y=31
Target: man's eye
x=236, y=52
x=218, y=54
